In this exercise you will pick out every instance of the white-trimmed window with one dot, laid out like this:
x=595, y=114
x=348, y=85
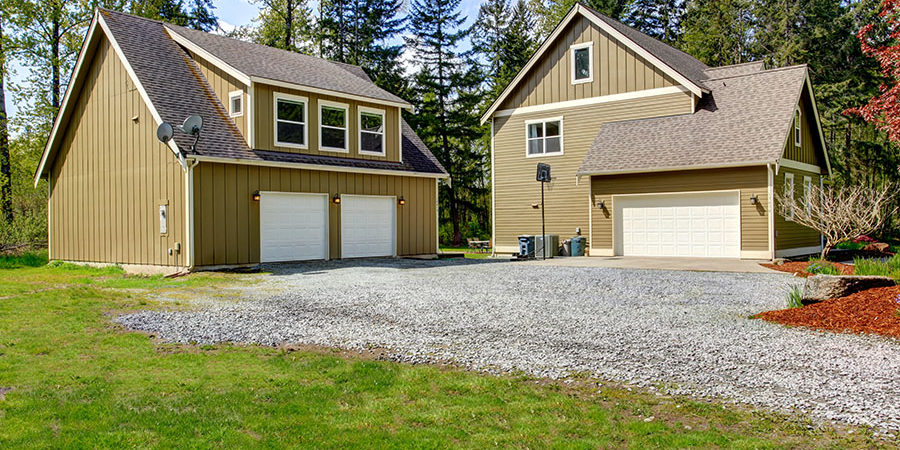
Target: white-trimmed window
x=333, y=126
x=807, y=189
x=582, y=56
x=788, y=196
x=236, y=103
x=290, y=121
x=544, y=137
x=797, y=127
x=371, y=131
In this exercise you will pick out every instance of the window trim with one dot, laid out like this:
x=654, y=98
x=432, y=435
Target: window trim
x=807, y=187
x=366, y=110
x=798, y=129
x=295, y=99
x=561, y=137
x=585, y=45
x=231, y=96
x=346, y=108
x=789, y=213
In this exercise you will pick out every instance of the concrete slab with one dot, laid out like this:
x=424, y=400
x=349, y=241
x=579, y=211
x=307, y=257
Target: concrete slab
x=658, y=263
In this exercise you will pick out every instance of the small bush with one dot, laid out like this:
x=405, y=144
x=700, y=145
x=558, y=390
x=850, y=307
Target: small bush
x=820, y=267
x=27, y=259
x=793, y=297
x=889, y=268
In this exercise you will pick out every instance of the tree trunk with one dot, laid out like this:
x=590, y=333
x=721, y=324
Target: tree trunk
x=5, y=167
x=55, y=62
x=289, y=25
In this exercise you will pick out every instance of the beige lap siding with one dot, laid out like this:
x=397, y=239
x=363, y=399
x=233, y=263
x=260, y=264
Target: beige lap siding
x=749, y=180
x=227, y=219
x=515, y=188
x=788, y=234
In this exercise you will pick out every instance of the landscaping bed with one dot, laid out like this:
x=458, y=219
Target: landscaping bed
x=801, y=268
x=875, y=311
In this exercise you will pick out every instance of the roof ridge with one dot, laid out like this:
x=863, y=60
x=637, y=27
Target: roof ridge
x=775, y=69
x=728, y=66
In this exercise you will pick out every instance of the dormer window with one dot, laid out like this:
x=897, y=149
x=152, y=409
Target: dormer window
x=582, y=56
x=797, y=127
x=236, y=103
x=371, y=131
x=290, y=121
x=333, y=126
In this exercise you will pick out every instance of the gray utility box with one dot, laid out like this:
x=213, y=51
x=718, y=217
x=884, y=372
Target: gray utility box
x=552, y=241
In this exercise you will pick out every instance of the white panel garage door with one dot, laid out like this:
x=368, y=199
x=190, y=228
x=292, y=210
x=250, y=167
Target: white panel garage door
x=368, y=226
x=292, y=226
x=706, y=225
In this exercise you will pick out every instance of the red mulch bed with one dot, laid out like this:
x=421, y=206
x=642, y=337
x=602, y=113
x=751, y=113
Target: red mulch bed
x=873, y=311
x=798, y=268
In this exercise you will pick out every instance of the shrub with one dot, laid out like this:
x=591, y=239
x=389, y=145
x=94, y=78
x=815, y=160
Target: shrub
x=27, y=259
x=793, y=297
x=820, y=267
x=889, y=268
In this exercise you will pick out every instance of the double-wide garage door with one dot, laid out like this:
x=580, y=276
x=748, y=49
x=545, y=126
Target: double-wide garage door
x=692, y=225
x=294, y=226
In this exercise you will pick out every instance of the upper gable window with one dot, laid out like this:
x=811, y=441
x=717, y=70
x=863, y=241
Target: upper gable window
x=290, y=121
x=797, y=127
x=236, y=103
x=582, y=56
x=371, y=131
x=544, y=137
x=333, y=126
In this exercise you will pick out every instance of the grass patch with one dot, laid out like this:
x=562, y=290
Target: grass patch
x=889, y=268
x=27, y=259
x=469, y=253
x=72, y=379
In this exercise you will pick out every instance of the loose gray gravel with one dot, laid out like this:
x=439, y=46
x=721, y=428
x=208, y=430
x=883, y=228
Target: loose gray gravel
x=679, y=332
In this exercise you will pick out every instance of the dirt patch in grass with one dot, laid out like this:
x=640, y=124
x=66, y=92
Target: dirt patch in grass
x=798, y=268
x=875, y=311
x=3, y=391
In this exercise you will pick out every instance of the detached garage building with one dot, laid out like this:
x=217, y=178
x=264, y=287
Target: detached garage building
x=298, y=158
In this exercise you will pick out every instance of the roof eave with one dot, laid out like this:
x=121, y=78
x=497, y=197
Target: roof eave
x=581, y=173
x=321, y=167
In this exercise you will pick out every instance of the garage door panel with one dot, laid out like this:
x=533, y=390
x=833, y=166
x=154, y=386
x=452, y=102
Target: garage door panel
x=293, y=226
x=368, y=226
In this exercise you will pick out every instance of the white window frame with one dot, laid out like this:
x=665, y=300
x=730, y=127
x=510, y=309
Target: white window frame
x=797, y=126
x=544, y=137
x=346, y=108
x=231, y=96
x=572, y=49
x=807, y=187
x=296, y=99
x=380, y=112
x=789, y=195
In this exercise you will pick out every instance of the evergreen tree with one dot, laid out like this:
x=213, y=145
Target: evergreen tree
x=283, y=24
x=517, y=46
x=198, y=14
x=447, y=93
x=718, y=32
x=488, y=38
x=660, y=19
x=551, y=12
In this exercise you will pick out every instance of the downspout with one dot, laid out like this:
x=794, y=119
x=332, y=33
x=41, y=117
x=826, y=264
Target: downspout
x=493, y=190
x=49, y=233
x=771, y=195
x=189, y=212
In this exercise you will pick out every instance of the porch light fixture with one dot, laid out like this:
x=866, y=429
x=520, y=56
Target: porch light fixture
x=754, y=199
x=401, y=201
x=336, y=199
x=255, y=196
x=601, y=204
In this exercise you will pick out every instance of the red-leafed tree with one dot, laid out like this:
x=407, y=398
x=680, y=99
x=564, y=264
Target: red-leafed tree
x=881, y=40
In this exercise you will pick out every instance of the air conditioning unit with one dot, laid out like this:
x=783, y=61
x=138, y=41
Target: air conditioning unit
x=552, y=241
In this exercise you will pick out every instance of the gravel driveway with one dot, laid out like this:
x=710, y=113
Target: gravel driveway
x=683, y=332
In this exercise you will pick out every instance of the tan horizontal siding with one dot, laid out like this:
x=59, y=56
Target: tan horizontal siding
x=789, y=234
x=227, y=219
x=515, y=188
x=749, y=180
x=111, y=175
x=616, y=70
x=222, y=84
x=264, y=117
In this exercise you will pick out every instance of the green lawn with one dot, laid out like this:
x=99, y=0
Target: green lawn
x=79, y=381
x=469, y=253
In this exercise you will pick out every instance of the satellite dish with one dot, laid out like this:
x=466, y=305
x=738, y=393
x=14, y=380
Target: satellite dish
x=165, y=132
x=192, y=125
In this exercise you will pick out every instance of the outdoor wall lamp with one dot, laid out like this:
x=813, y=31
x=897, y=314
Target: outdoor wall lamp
x=401, y=201
x=336, y=199
x=754, y=199
x=255, y=196
x=601, y=204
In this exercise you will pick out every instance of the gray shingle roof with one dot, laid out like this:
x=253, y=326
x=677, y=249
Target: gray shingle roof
x=735, y=70
x=177, y=89
x=744, y=119
x=290, y=67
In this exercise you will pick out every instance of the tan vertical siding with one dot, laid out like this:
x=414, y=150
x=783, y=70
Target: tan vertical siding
x=515, y=188
x=263, y=98
x=222, y=84
x=111, y=175
x=616, y=70
x=789, y=234
x=227, y=219
x=749, y=180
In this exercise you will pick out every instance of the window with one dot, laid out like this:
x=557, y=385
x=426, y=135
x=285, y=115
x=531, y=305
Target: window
x=797, y=124
x=583, y=63
x=333, y=126
x=371, y=131
x=290, y=121
x=236, y=103
x=807, y=190
x=788, y=194
x=544, y=137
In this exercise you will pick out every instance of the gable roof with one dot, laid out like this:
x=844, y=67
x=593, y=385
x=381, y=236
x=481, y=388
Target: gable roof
x=745, y=120
x=173, y=87
x=682, y=67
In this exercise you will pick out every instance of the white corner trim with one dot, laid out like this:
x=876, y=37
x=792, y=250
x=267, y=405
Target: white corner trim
x=798, y=251
x=251, y=108
x=189, y=214
x=231, y=96
x=276, y=96
x=437, y=216
x=335, y=105
x=380, y=112
x=214, y=60
x=315, y=90
x=770, y=191
x=591, y=101
x=756, y=254
x=590, y=48
x=797, y=165
x=493, y=197
x=400, y=133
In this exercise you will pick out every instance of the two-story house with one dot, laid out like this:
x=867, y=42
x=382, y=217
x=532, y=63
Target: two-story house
x=652, y=152
x=297, y=158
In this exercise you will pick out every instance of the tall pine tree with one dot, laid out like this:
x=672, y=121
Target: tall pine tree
x=198, y=14
x=551, y=12
x=283, y=24
x=658, y=18
x=488, y=39
x=718, y=32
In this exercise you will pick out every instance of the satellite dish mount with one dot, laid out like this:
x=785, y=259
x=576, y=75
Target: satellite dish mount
x=191, y=126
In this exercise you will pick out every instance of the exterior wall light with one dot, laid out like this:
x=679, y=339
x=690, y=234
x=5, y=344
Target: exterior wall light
x=255, y=196
x=401, y=201
x=754, y=199
x=601, y=204
x=336, y=199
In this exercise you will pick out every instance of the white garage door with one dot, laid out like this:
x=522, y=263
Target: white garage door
x=368, y=226
x=678, y=225
x=292, y=226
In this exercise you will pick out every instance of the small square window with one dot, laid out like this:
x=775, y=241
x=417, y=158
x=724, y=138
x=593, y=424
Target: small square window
x=236, y=103
x=544, y=138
